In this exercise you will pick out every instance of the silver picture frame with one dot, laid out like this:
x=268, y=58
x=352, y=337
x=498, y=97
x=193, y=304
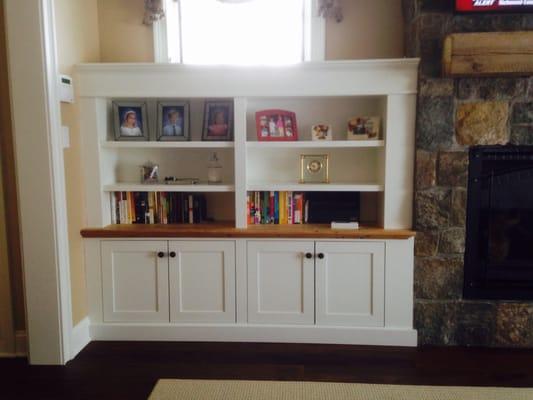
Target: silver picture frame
x=122, y=112
x=173, y=132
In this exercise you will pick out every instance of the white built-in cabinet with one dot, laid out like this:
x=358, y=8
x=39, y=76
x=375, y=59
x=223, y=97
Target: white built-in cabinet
x=350, y=283
x=288, y=282
x=245, y=285
x=202, y=281
x=281, y=282
x=162, y=281
x=135, y=281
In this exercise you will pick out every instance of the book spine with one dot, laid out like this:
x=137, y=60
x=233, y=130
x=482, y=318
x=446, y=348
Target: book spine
x=266, y=202
x=257, y=207
x=190, y=206
x=298, y=208
x=276, y=207
x=289, y=208
x=271, y=205
x=113, y=206
x=248, y=209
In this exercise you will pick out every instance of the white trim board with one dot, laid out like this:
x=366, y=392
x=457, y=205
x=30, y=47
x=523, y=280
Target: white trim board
x=40, y=169
x=80, y=337
x=309, y=79
x=255, y=333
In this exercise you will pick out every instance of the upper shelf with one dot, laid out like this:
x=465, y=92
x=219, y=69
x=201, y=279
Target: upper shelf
x=167, y=145
x=342, y=144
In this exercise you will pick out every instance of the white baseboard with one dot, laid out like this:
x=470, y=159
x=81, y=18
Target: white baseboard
x=255, y=333
x=80, y=337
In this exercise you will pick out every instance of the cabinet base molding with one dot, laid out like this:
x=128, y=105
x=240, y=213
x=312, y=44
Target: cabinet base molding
x=255, y=333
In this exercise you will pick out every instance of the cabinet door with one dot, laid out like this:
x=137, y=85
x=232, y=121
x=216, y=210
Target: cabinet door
x=135, y=281
x=281, y=282
x=202, y=281
x=350, y=283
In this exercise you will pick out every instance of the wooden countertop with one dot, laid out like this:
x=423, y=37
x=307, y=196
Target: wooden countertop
x=228, y=230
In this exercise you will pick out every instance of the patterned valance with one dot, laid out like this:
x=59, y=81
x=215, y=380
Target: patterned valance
x=153, y=11
x=330, y=9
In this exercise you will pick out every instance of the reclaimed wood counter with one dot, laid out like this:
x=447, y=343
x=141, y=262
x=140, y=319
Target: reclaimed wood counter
x=228, y=230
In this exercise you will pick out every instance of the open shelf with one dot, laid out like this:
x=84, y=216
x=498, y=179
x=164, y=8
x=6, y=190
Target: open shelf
x=137, y=187
x=315, y=187
x=167, y=145
x=302, y=144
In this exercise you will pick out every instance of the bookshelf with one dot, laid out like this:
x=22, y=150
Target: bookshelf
x=329, y=92
x=298, y=283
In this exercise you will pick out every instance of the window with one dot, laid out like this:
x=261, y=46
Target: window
x=241, y=32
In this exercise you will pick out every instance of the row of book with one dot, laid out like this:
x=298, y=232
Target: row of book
x=157, y=208
x=283, y=208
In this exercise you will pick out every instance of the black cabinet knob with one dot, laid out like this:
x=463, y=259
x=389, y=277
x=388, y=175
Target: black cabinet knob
x=161, y=254
x=172, y=254
x=321, y=255
x=308, y=255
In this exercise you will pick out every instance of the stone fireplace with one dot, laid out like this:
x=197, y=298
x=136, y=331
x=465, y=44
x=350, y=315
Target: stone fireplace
x=454, y=115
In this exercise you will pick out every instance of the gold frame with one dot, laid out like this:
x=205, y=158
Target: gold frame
x=303, y=166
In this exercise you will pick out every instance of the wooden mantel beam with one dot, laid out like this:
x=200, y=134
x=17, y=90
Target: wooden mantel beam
x=488, y=54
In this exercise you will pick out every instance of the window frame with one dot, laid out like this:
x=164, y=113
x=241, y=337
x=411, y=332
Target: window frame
x=314, y=34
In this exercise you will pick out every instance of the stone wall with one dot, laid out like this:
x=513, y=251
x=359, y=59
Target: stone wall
x=452, y=115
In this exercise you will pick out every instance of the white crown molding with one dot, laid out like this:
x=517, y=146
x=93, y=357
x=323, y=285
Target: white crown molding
x=337, y=78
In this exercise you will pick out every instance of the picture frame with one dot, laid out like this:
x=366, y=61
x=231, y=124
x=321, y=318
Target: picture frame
x=130, y=120
x=173, y=122
x=321, y=132
x=276, y=126
x=218, y=120
x=363, y=128
x=314, y=168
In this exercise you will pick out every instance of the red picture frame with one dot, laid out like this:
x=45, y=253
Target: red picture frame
x=276, y=126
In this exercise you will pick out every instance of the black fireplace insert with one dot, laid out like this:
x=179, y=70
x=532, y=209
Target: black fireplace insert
x=499, y=223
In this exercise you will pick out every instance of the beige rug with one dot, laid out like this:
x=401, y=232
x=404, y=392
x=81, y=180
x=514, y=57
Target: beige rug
x=175, y=389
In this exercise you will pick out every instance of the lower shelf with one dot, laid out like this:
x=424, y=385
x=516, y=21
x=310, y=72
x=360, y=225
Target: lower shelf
x=315, y=187
x=138, y=187
x=256, y=333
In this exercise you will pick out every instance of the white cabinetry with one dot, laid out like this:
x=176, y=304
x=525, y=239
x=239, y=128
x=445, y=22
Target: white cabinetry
x=281, y=282
x=350, y=283
x=202, y=281
x=161, y=281
x=135, y=281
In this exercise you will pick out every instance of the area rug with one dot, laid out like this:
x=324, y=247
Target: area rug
x=175, y=389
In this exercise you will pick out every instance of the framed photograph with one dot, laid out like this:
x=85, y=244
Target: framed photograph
x=321, y=132
x=314, y=168
x=130, y=120
x=173, y=121
x=363, y=128
x=218, y=120
x=276, y=125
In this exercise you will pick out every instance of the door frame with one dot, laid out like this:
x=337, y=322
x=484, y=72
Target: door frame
x=32, y=63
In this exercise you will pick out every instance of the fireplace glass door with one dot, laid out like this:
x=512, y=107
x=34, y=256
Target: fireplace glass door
x=499, y=241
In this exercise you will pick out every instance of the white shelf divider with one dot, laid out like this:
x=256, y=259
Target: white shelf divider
x=315, y=187
x=335, y=144
x=137, y=187
x=166, y=145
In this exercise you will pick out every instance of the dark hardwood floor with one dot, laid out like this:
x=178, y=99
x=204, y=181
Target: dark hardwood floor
x=129, y=370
